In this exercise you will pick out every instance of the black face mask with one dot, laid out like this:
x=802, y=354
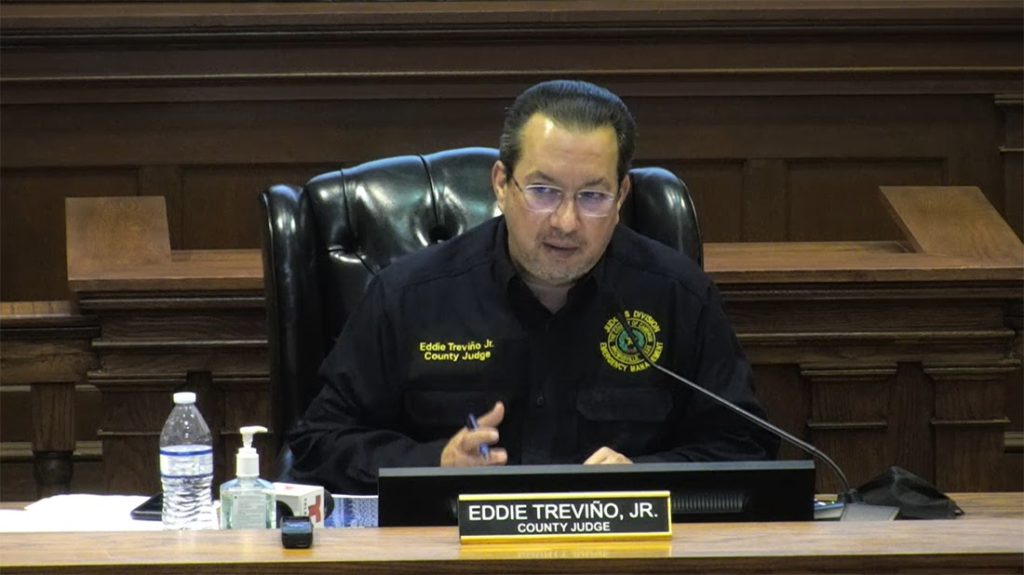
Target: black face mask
x=915, y=497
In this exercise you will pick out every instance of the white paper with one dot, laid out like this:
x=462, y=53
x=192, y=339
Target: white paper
x=78, y=512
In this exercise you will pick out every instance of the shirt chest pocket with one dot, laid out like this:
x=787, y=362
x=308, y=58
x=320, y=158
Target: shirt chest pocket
x=640, y=404
x=633, y=420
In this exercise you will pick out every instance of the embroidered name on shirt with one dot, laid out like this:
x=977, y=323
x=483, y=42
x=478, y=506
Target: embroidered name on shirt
x=455, y=352
x=617, y=348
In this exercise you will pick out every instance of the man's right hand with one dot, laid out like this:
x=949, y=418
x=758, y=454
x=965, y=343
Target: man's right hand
x=463, y=449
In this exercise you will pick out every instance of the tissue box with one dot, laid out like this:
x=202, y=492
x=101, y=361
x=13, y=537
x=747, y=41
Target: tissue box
x=302, y=500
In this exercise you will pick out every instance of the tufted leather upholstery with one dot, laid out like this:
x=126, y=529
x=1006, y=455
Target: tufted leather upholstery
x=324, y=242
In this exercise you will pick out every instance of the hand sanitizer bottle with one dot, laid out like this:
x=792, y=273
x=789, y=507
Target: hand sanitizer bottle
x=248, y=502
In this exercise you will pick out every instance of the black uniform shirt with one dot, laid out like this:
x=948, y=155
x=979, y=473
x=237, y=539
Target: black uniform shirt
x=450, y=330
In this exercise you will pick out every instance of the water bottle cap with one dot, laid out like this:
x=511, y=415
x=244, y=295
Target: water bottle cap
x=184, y=398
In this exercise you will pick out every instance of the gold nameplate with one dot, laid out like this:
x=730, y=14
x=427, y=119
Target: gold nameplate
x=604, y=515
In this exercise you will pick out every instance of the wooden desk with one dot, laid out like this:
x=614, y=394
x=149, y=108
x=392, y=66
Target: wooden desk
x=988, y=539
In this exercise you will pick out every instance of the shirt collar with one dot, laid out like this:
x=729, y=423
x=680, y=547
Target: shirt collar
x=504, y=269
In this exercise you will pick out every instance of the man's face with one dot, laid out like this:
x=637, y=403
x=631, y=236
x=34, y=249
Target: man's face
x=555, y=249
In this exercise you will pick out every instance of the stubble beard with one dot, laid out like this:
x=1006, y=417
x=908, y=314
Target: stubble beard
x=548, y=268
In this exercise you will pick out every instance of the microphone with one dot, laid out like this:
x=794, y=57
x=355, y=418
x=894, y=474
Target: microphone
x=849, y=497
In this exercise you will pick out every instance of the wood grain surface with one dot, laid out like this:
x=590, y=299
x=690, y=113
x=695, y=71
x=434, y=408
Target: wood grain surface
x=989, y=539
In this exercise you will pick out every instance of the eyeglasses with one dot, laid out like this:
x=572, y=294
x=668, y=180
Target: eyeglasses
x=545, y=199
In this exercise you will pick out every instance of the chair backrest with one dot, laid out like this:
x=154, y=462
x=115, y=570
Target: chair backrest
x=325, y=241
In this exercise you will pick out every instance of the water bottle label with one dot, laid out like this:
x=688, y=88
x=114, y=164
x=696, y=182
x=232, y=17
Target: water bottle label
x=186, y=460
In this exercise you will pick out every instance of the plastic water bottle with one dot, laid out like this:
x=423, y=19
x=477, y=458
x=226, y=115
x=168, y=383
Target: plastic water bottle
x=186, y=467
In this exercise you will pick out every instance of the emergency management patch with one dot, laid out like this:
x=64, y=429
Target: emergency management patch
x=617, y=348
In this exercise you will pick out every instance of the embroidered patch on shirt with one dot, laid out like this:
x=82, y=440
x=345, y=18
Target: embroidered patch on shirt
x=455, y=352
x=617, y=348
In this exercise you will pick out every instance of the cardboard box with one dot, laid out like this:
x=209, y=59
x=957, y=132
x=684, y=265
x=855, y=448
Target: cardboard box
x=302, y=500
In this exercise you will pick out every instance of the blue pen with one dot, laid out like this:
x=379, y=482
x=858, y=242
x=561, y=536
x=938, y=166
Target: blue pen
x=471, y=423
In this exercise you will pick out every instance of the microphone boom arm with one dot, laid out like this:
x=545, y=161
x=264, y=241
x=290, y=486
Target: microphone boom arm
x=846, y=496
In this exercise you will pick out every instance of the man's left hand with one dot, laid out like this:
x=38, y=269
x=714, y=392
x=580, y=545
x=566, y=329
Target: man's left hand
x=605, y=456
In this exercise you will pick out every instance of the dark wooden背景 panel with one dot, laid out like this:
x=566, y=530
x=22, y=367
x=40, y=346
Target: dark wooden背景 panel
x=44, y=356
x=32, y=241
x=717, y=188
x=188, y=95
x=219, y=207
x=203, y=136
x=838, y=200
x=1011, y=153
x=17, y=421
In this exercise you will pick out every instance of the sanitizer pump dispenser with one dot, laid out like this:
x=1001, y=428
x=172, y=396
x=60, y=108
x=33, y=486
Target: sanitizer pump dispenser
x=248, y=502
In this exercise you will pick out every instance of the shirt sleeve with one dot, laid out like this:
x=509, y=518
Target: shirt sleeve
x=705, y=429
x=350, y=430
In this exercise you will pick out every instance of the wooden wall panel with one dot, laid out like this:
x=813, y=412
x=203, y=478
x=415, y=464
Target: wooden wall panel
x=786, y=400
x=850, y=420
x=838, y=200
x=45, y=352
x=759, y=168
x=17, y=483
x=16, y=413
x=1012, y=155
x=219, y=206
x=32, y=240
x=213, y=98
x=717, y=189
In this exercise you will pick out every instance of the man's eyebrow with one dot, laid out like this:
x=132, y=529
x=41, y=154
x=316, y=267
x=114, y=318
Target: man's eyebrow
x=539, y=175
x=602, y=181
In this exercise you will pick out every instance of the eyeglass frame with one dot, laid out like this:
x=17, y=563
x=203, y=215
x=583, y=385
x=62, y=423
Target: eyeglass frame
x=575, y=197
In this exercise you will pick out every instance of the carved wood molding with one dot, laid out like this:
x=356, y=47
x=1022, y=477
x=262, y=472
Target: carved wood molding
x=93, y=301
x=979, y=423
x=918, y=291
x=105, y=433
x=1013, y=442
x=823, y=376
x=240, y=382
x=499, y=85
x=34, y=21
x=1006, y=74
x=1011, y=100
x=180, y=345
x=14, y=451
x=136, y=382
x=848, y=425
x=984, y=373
x=909, y=337
x=58, y=52
x=848, y=373
x=952, y=376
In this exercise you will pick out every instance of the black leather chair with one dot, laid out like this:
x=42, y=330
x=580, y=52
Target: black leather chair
x=325, y=241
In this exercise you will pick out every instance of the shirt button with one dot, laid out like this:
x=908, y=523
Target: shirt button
x=539, y=402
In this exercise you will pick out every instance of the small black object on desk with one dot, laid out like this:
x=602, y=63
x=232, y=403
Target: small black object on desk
x=296, y=532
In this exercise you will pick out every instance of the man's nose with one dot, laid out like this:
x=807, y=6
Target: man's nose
x=565, y=218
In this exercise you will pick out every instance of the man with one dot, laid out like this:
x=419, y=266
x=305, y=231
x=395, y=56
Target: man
x=515, y=322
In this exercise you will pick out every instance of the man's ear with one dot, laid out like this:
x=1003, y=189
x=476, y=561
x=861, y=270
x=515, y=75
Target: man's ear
x=499, y=183
x=624, y=188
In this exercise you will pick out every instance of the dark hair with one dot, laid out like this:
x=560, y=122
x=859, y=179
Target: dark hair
x=575, y=105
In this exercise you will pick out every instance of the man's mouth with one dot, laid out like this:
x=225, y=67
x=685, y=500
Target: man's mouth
x=561, y=248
